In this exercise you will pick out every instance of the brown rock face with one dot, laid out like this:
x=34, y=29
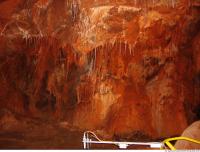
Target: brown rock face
x=128, y=68
x=191, y=132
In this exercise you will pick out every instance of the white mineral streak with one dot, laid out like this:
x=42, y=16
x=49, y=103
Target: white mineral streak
x=131, y=9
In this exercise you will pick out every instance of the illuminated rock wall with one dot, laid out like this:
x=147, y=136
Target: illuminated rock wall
x=123, y=67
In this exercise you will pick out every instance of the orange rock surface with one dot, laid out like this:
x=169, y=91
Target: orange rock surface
x=119, y=66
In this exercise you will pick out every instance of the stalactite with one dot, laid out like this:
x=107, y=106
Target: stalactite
x=173, y=3
x=75, y=9
x=130, y=49
x=110, y=56
x=95, y=57
x=125, y=47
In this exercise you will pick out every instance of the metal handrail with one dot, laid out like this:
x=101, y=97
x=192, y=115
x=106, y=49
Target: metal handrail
x=122, y=145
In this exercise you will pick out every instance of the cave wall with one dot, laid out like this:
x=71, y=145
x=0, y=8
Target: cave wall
x=123, y=67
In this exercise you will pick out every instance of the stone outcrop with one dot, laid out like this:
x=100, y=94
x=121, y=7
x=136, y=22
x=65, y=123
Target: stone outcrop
x=191, y=132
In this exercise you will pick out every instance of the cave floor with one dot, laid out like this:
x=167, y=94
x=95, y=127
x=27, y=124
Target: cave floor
x=54, y=138
x=63, y=139
x=19, y=132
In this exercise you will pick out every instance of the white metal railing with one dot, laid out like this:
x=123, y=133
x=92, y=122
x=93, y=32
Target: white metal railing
x=87, y=141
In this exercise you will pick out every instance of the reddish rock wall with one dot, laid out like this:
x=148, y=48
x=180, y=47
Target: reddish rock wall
x=124, y=67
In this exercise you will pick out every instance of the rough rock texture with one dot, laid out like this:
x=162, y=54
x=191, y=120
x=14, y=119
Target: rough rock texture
x=191, y=132
x=127, y=68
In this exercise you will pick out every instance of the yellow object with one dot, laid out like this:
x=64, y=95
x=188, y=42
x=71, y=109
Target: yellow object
x=165, y=144
x=167, y=141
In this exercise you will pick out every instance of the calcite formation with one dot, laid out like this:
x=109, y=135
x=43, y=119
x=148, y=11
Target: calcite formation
x=128, y=68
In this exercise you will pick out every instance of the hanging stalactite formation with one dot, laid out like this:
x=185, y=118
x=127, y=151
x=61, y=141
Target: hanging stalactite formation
x=108, y=65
